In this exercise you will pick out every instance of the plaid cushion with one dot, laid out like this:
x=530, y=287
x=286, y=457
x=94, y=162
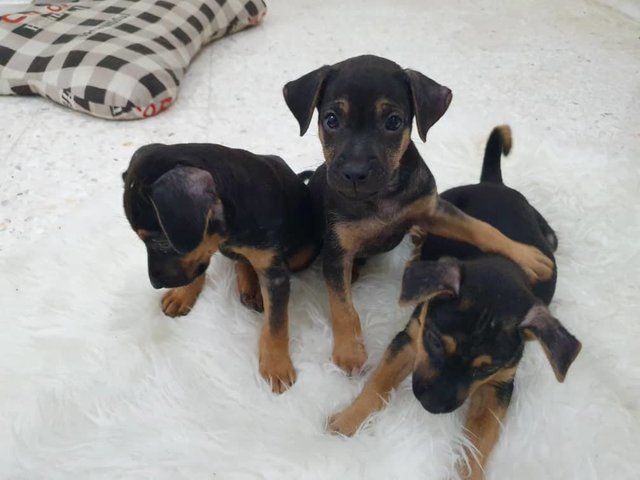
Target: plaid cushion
x=116, y=59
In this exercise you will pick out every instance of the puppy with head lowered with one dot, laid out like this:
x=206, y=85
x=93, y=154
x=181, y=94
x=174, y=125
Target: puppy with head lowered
x=188, y=201
x=374, y=186
x=474, y=313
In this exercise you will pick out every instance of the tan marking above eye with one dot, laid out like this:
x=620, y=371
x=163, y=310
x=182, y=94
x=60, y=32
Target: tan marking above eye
x=449, y=343
x=342, y=105
x=383, y=104
x=481, y=361
x=142, y=234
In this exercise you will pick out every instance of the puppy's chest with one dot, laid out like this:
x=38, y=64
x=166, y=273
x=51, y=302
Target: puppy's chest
x=382, y=230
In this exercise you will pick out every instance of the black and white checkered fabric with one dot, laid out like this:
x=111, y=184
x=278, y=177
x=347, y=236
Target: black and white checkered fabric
x=116, y=59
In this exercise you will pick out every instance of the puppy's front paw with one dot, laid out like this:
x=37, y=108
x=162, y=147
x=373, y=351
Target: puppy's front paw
x=178, y=301
x=349, y=354
x=277, y=369
x=535, y=264
x=346, y=422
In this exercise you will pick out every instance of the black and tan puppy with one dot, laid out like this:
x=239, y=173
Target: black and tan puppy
x=374, y=186
x=474, y=313
x=188, y=201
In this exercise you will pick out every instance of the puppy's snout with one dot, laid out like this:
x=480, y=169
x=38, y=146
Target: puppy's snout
x=437, y=397
x=357, y=172
x=155, y=281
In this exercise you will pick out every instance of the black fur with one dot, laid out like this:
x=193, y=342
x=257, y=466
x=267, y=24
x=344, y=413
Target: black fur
x=262, y=203
x=486, y=316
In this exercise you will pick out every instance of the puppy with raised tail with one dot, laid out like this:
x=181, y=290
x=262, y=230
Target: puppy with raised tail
x=474, y=312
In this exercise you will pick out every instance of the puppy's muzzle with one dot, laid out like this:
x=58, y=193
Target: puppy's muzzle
x=434, y=398
x=356, y=178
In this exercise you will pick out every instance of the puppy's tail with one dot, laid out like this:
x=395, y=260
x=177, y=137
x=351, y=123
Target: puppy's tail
x=305, y=175
x=499, y=143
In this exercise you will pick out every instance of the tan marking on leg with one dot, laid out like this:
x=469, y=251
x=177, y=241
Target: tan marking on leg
x=274, y=360
x=249, y=286
x=483, y=427
x=349, y=352
x=394, y=367
x=447, y=221
x=302, y=258
x=260, y=259
x=276, y=366
x=179, y=301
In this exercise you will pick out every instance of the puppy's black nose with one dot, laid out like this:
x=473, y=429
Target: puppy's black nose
x=356, y=172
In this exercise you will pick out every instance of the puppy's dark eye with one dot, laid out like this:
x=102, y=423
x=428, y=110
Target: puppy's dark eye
x=434, y=344
x=393, y=123
x=331, y=121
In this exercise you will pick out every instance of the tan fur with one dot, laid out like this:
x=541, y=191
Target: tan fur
x=489, y=239
x=483, y=424
x=354, y=235
x=179, y=301
x=481, y=360
x=248, y=285
x=506, y=137
x=260, y=259
x=422, y=364
x=327, y=151
x=201, y=254
x=382, y=104
x=275, y=363
x=302, y=258
x=450, y=344
x=396, y=155
x=504, y=375
x=348, y=349
x=388, y=374
x=342, y=105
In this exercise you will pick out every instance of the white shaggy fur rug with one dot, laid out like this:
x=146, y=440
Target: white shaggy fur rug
x=95, y=382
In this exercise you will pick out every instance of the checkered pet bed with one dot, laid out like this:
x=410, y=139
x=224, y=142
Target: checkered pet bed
x=116, y=59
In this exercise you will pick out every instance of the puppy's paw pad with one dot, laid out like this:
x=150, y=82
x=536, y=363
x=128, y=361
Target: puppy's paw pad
x=278, y=371
x=177, y=302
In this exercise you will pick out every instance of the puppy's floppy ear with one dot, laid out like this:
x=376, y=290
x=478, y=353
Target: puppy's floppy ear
x=424, y=280
x=558, y=344
x=302, y=95
x=430, y=101
x=183, y=199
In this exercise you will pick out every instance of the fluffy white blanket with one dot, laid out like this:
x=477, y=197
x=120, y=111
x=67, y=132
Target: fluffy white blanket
x=96, y=383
